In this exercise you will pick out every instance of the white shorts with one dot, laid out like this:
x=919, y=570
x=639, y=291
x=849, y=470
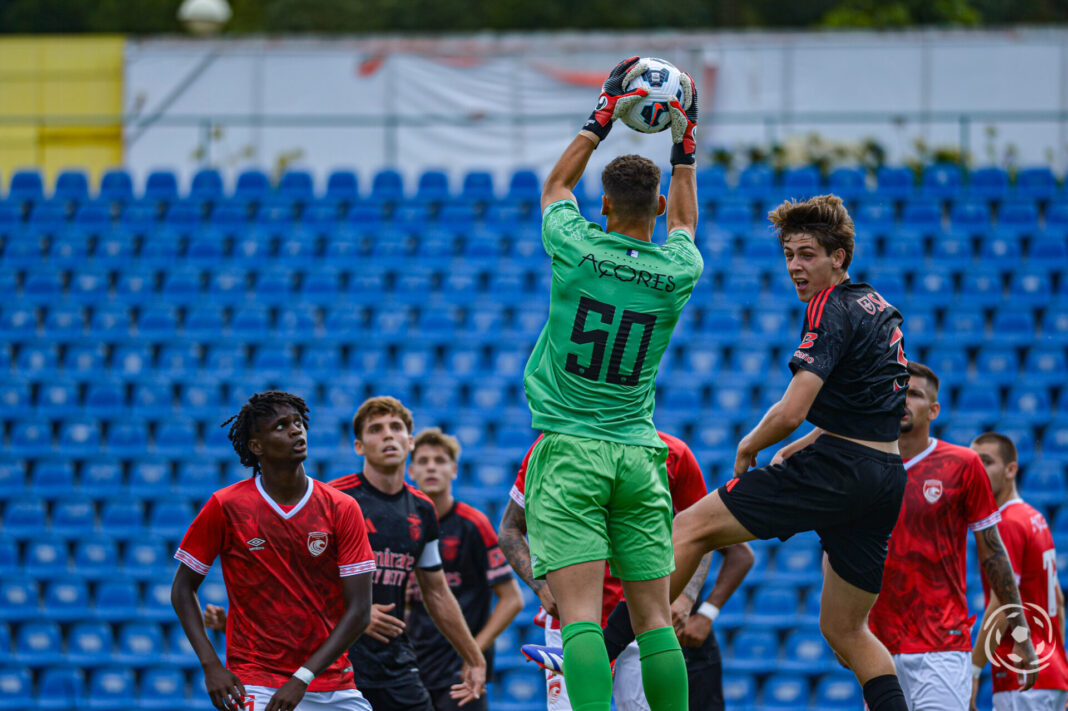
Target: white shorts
x=627, y=690
x=257, y=698
x=556, y=689
x=1033, y=700
x=935, y=681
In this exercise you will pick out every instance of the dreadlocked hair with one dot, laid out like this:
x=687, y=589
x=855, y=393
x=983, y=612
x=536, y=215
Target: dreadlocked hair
x=246, y=422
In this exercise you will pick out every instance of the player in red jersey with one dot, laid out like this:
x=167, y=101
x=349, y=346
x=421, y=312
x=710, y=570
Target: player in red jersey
x=474, y=566
x=403, y=530
x=297, y=567
x=922, y=617
x=1029, y=543
x=693, y=623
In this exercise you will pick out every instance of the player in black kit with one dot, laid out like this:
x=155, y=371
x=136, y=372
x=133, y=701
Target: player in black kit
x=475, y=569
x=402, y=528
x=847, y=480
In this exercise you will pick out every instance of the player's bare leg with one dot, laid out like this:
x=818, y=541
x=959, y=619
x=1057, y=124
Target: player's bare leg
x=844, y=623
x=578, y=591
x=706, y=526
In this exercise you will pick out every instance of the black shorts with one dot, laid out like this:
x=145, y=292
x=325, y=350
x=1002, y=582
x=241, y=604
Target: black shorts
x=409, y=695
x=705, y=673
x=847, y=493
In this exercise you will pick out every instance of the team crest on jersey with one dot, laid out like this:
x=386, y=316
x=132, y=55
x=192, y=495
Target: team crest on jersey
x=317, y=542
x=450, y=548
x=932, y=490
x=415, y=526
x=556, y=687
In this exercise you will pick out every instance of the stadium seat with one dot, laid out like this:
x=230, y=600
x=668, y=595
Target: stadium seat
x=839, y=690
x=739, y=691
x=963, y=327
x=80, y=437
x=1043, y=483
x=95, y=557
x=981, y=286
x=755, y=182
x=60, y=688
x=24, y=518
x=1035, y=183
x=110, y=689
x=139, y=644
x=433, y=186
x=117, y=599
x=116, y=186
x=477, y=187
x=784, y=692
x=88, y=643
x=161, y=186
x=100, y=480
x=387, y=186
x=893, y=183
x=46, y=557
x=922, y=217
x=806, y=651
x=25, y=186
x=979, y=402
x=774, y=605
x=798, y=561
x=752, y=650
x=122, y=518
x=1029, y=402
x=990, y=183
x=171, y=518
x=144, y=556
x=159, y=687
x=9, y=566
x=16, y=683
x=66, y=600
x=1030, y=288
x=997, y=366
x=1017, y=219
x=52, y=478
x=38, y=644
x=1013, y=327
x=524, y=187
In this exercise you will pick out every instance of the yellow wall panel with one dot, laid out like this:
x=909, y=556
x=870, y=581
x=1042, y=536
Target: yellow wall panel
x=60, y=103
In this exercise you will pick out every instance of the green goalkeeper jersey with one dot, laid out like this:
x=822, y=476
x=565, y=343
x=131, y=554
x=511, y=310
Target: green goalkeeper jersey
x=614, y=303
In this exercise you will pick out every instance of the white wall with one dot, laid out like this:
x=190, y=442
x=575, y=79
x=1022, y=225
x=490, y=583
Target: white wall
x=500, y=103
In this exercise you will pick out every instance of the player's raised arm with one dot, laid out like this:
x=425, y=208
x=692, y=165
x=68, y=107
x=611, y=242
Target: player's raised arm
x=682, y=195
x=613, y=102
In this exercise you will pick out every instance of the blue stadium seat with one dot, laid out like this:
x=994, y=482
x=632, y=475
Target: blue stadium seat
x=38, y=643
x=387, y=186
x=171, y=518
x=981, y=286
x=60, y=688
x=775, y=606
x=89, y=643
x=755, y=182
x=117, y=599
x=1048, y=253
x=25, y=186
x=161, y=186
x=952, y=253
x=116, y=186
x=17, y=686
x=100, y=480
x=206, y=186
x=893, y=183
x=784, y=692
x=1030, y=288
x=139, y=644
x=46, y=557
x=922, y=217
x=150, y=478
x=80, y=437
x=157, y=599
x=1043, y=483
x=433, y=186
x=997, y=366
x=990, y=183
x=941, y=181
x=110, y=689
x=42, y=287
x=66, y=600
x=970, y=218
x=524, y=187
x=37, y=358
x=24, y=518
x=159, y=687
x=801, y=183
x=69, y=249
x=1017, y=219
x=848, y=183
x=1045, y=364
x=477, y=187
x=95, y=557
x=1055, y=325
x=1036, y=183
x=799, y=561
x=979, y=402
x=52, y=478
x=1013, y=327
x=839, y=690
x=252, y=185
x=1031, y=403
x=934, y=288
x=18, y=321
x=9, y=566
x=297, y=185
x=123, y=518
x=963, y=327
x=903, y=251
x=144, y=556
x=342, y=186
x=805, y=651
x=1057, y=220
x=739, y=691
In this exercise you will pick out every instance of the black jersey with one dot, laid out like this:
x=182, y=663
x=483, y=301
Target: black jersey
x=403, y=531
x=852, y=339
x=473, y=564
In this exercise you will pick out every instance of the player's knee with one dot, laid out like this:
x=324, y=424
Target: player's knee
x=840, y=632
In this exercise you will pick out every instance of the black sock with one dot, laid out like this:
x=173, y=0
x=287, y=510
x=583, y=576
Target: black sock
x=617, y=631
x=883, y=693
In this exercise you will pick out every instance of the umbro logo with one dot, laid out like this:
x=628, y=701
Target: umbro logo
x=255, y=544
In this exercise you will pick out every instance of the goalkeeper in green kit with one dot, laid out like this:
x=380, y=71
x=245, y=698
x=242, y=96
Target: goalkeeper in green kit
x=596, y=482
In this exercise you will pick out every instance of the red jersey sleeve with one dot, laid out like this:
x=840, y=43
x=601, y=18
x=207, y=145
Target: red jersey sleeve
x=980, y=509
x=519, y=487
x=687, y=482
x=204, y=540
x=354, y=555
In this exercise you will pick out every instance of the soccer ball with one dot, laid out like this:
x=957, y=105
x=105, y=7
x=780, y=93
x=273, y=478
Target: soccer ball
x=661, y=80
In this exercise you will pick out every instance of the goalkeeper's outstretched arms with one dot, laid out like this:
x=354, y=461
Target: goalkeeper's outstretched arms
x=682, y=195
x=613, y=102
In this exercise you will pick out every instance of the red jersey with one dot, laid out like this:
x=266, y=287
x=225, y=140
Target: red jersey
x=1028, y=542
x=283, y=575
x=923, y=605
x=687, y=486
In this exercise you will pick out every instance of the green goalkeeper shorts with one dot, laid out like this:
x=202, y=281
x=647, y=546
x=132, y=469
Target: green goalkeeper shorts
x=588, y=499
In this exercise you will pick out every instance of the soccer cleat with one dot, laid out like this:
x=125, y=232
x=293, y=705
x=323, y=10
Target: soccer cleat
x=550, y=658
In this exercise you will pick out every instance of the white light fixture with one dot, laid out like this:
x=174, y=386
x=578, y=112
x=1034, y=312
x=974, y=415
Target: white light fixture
x=204, y=17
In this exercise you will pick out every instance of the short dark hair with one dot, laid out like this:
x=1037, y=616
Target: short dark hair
x=824, y=217
x=1006, y=448
x=434, y=437
x=632, y=183
x=922, y=371
x=247, y=422
x=380, y=405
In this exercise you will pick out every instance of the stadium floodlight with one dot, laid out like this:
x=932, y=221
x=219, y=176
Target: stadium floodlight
x=204, y=17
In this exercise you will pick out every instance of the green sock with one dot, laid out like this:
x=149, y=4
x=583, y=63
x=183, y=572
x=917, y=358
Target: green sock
x=663, y=670
x=586, y=669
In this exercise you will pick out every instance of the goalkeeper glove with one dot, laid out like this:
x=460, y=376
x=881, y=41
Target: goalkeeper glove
x=684, y=123
x=615, y=100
